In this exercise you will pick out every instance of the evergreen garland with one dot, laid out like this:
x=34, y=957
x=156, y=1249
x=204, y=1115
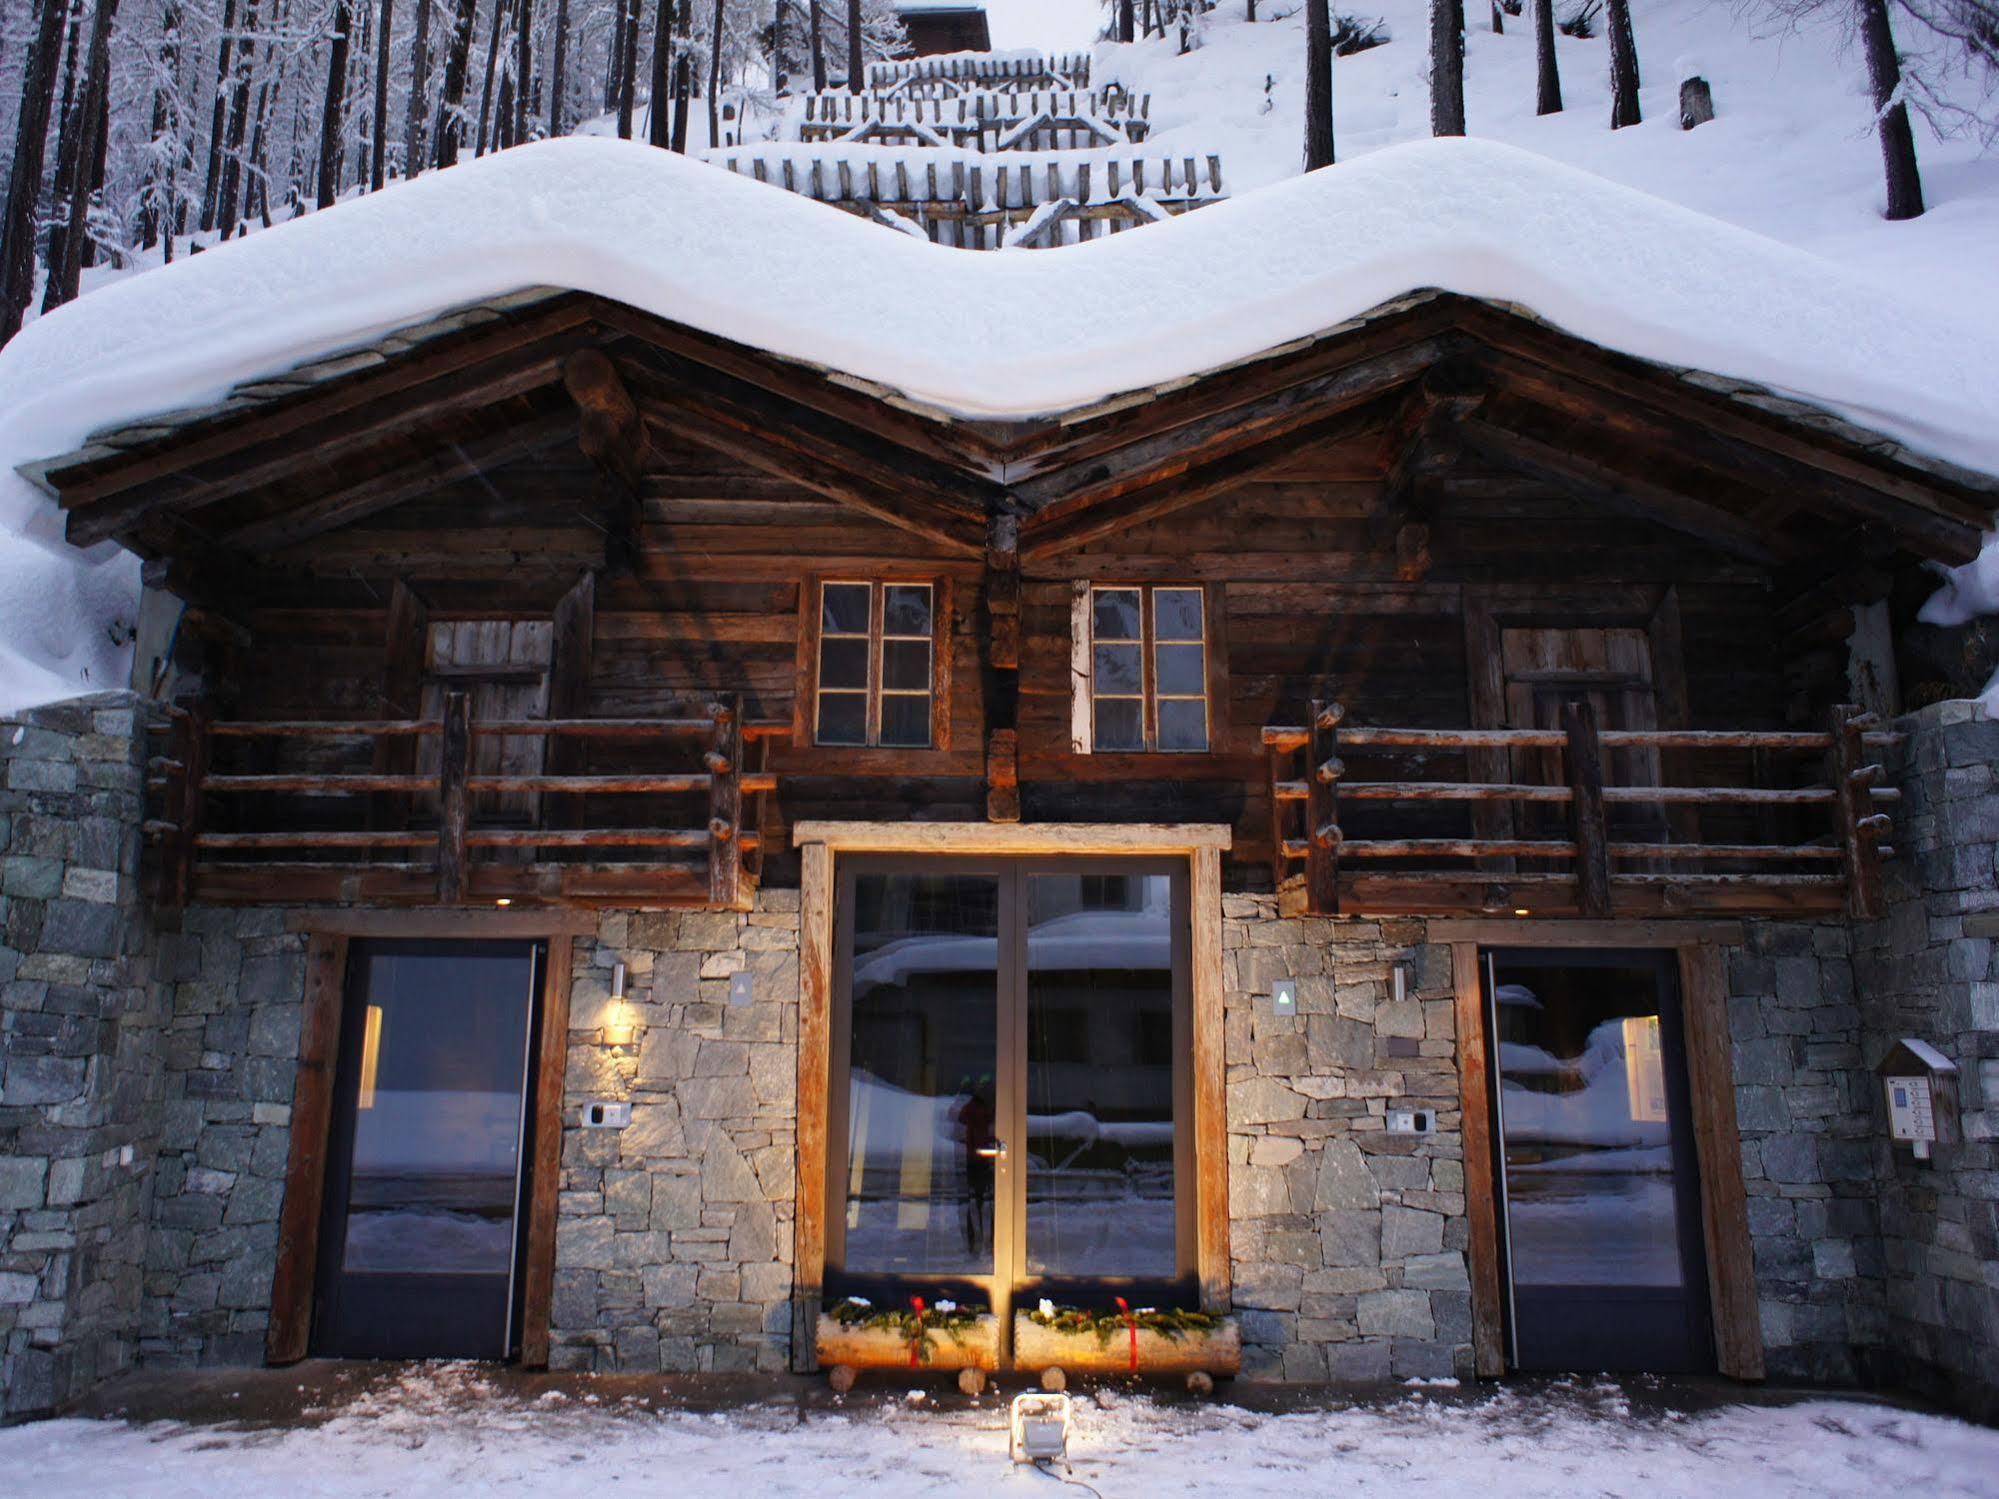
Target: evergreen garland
x=911, y=1324
x=1170, y=1322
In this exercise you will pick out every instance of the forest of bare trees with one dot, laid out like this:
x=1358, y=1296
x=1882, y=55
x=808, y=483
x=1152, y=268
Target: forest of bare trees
x=156, y=125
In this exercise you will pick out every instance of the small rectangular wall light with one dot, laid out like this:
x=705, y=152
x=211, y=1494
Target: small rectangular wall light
x=1284, y=997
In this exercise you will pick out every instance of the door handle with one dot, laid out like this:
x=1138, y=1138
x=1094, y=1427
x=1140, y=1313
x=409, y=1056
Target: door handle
x=993, y=1152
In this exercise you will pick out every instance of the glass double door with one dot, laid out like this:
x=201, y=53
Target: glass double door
x=420, y=1223
x=1598, y=1184
x=1009, y=1080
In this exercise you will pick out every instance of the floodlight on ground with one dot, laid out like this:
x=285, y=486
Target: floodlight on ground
x=1040, y=1427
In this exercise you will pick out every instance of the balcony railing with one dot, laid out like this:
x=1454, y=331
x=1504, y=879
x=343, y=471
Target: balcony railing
x=1471, y=829
x=350, y=811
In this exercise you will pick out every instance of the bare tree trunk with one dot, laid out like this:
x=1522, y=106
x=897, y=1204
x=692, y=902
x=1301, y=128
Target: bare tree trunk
x=628, y=66
x=239, y=119
x=1447, y=67
x=659, y=111
x=1127, y=21
x=1891, y=115
x=24, y=182
x=778, y=77
x=557, y=80
x=523, y=69
x=683, y=84
x=158, y=211
x=614, y=56
x=336, y=104
x=715, y=77
x=1623, y=66
x=855, y=82
x=1498, y=19
x=1547, y=78
x=79, y=148
x=1318, y=85
x=486, y=86
x=457, y=63
x=211, y=192
x=818, y=47
x=413, y=118
x=378, y=157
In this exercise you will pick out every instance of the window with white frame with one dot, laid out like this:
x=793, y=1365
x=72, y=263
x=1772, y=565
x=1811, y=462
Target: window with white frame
x=876, y=679
x=1148, y=668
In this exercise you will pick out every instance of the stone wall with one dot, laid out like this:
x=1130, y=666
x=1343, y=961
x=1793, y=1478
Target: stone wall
x=231, y=985
x=1347, y=1243
x=78, y=1050
x=1931, y=970
x=1803, y=1103
x=674, y=1242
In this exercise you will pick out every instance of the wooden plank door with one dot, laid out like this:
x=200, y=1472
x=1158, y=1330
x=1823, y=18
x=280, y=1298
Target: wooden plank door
x=504, y=665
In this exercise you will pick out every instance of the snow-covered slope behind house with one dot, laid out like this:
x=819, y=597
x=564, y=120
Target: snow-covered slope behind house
x=1791, y=152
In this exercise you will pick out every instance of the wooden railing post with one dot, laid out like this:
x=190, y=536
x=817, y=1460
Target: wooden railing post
x=453, y=808
x=1323, y=770
x=187, y=813
x=725, y=805
x=1859, y=826
x=1588, y=827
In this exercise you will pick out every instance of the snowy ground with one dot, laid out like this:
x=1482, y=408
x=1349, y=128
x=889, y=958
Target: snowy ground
x=447, y=1429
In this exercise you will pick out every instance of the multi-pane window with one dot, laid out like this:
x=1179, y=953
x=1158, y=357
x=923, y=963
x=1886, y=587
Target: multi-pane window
x=875, y=678
x=1148, y=669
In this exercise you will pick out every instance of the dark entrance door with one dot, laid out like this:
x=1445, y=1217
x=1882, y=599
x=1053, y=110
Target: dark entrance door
x=1598, y=1189
x=420, y=1230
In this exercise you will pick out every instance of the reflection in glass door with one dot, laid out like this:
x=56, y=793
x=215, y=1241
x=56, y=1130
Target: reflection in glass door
x=1008, y=1077
x=420, y=1226
x=1598, y=1187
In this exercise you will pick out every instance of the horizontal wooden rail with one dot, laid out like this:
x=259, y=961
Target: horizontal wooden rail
x=329, y=728
x=646, y=785
x=1450, y=791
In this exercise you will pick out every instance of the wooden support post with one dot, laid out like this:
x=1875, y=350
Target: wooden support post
x=1322, y=811
x=1000, y=678
x=1858, y=825
x=574, y=629
x=288, y=1334
x=725, y=806
x=1475, y=1099
x=454, y=811
x=187, y=813
x=1586, y=815
x=404, y=648
x=545, y=1153
x=1273, y=758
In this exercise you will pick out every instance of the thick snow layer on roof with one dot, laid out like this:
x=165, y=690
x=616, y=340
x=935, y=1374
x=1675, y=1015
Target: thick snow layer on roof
x=1009, y=334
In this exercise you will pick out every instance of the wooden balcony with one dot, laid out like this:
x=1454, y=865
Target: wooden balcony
x=457, y=811
x=1372, y=820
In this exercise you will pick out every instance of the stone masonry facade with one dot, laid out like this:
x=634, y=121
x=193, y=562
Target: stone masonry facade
x=1347, y=1243
x=674, y=1236
x=148, y=1062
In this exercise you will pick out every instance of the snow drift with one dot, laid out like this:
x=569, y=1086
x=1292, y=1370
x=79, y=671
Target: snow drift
x=944, y=327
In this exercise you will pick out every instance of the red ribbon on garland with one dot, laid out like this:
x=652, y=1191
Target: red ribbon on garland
x=916, y=1342
x=1130, y=1322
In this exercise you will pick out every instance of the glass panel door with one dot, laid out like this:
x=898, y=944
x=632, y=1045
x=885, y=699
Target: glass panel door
x=1102, y=1076
x=421, y=1226
x=919, y=1042
x=1598, y=1185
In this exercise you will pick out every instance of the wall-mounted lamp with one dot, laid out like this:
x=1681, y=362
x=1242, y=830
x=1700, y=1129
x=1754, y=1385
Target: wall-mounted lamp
x=1398, y=982
x=619, y=1028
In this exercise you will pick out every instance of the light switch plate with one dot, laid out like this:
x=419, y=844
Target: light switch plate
x=602, y=1113
x=1284, y=997
x=1412, y=1121
x=740, y=992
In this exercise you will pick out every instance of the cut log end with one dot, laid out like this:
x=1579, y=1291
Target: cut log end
x=1200, y=1382
x=841, y=1378
x=1053, y=1379
x=1696, y=103
x=972, y=1382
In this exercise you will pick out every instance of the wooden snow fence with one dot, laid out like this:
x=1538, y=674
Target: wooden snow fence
x=959, y=72
x=979, y=205
x=1039, y=120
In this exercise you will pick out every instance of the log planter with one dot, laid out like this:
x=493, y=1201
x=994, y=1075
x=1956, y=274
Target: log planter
x=944, y=1348
x=1214, y=1352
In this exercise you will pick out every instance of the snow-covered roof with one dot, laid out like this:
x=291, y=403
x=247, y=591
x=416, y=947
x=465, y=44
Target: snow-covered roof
x=987, y=335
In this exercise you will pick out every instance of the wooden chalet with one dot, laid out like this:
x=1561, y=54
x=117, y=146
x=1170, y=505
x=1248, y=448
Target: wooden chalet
x=1232, y=704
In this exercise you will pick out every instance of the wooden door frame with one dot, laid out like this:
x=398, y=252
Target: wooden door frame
x=1738, y=1333
x=1201, y=844
x=328, y=936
